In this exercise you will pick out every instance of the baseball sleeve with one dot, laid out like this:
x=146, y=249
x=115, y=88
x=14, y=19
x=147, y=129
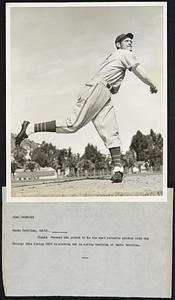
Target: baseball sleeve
x=129, y=60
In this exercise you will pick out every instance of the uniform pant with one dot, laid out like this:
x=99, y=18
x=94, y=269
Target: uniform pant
x=93, y=104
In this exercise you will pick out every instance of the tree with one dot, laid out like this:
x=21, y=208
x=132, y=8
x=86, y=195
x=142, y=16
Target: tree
x=139, y=144
x=32, y=166
x=14, y=167
x=62, y=158
x=148, y=148
x=93, y=155
x=155, y=150
x=128, y=160
x=108, y=164
x=39, y=157
x=19, y=154
x=72, y=162
x=43, y=155
x=56, y=163
x=86, y=165
x=59, y=160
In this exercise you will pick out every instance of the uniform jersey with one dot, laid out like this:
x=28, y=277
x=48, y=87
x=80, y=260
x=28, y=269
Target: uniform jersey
x=113, y=69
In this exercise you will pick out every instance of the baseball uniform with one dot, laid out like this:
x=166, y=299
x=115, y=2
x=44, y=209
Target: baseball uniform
x=94, y=101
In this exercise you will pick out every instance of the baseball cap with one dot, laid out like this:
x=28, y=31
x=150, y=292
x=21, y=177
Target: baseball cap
x=122, y=36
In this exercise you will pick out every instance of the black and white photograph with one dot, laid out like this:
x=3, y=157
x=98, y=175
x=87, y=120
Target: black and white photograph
x=86, y=101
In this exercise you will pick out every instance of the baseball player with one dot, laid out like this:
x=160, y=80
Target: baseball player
x=94, y=102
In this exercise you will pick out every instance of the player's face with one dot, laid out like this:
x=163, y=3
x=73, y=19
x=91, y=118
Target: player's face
x=126, y=44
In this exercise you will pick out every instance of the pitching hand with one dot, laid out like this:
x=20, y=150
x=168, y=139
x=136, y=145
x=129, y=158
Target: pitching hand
x=153, y=89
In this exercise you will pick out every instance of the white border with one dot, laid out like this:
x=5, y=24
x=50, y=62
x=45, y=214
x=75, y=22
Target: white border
x=165, y=102
x=8, y=110
x=65, y=199
x=84, y=4
x=109, y=199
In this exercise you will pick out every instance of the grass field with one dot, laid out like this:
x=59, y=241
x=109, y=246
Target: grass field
x=133, y=185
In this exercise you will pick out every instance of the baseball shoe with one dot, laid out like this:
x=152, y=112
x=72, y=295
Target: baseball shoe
x=117, y=177
x=22, y=134
x=117, y=174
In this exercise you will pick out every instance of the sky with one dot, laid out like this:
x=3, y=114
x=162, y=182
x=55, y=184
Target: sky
x=55, y=50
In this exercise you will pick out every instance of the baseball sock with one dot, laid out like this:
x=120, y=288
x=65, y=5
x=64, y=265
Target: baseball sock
x=116, y=158
x=39, y=127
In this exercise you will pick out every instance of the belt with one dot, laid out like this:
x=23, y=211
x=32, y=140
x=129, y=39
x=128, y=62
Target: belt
x=109, y=87
x=106, y=84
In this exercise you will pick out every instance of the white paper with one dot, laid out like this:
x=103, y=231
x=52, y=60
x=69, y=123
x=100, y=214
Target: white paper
x=88, y=249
